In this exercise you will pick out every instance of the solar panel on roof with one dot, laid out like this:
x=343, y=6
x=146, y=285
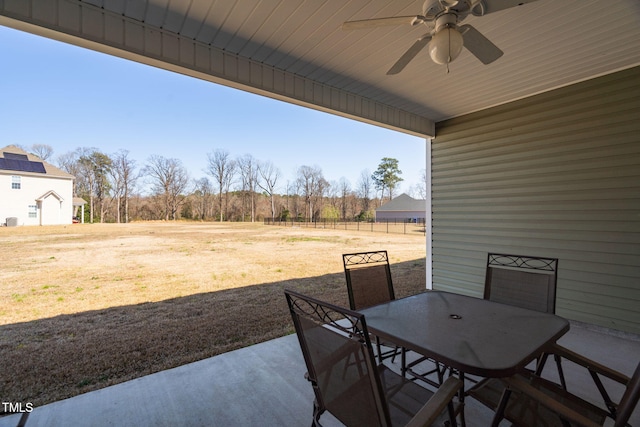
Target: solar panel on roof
x=22, y=165
x=15, y=156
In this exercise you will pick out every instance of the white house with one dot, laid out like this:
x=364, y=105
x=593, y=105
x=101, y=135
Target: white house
x=32, y=191
x=403, y=207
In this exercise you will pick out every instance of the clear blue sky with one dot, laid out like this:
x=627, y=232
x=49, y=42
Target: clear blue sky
x=68, y=97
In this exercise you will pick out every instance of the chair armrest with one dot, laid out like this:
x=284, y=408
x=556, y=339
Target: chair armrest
x=516, y=383
x=436, y=404
x=588, y=363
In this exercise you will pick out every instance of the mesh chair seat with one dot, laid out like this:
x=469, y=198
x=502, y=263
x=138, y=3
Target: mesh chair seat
x=369, y=286
x=523, y=281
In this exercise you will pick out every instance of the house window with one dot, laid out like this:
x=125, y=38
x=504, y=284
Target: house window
x=33, y=211
x=15, y=182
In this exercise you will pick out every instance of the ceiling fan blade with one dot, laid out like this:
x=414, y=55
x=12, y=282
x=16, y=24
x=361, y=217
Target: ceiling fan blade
x=490, y=6
x=383, y=22
x=480, y=46
x=409, y=54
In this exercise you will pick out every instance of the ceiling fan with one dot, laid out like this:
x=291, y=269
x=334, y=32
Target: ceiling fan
x=445, y=37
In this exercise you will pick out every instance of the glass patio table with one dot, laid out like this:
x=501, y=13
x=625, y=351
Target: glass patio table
x=471, y=335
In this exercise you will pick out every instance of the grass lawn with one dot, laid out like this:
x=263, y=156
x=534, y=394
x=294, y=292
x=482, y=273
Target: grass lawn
x=86, y=306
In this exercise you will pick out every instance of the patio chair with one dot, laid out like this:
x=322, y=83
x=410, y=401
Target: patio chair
x=523, y=281
x=345, y=378
x=526, y=282
x=369, y=283
x=368, y=279
x=529, y=400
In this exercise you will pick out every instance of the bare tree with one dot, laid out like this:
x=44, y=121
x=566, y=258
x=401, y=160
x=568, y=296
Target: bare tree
x=68, y=162
x=312, y=184
x=322, y=187
x=43, y=151
x=203, y=191
x=345, y=190
x=169, y=180
x=422, y=186
x=221, y=168
x=364, y=190
x=249, y=172
x=332, y=191
x=293, y=199
x=123, y=175
x=270, y=175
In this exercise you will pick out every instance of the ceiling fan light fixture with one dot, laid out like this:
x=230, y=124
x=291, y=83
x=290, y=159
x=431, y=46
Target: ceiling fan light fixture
x=446, y=45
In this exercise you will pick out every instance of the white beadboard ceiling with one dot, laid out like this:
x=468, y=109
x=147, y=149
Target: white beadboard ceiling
x=547, y=44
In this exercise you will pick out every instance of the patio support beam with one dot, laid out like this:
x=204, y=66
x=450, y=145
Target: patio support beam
x=428, y=217
x=86, y=25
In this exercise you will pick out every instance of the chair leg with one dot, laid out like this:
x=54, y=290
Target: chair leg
x=442, y=372
x=560, y=371
x=565, y=423
x=501, y=408
x=461, y=395
x=452, y=416
x=395, y=353
x=317, y=413
x=379, y=349
x=23, y=419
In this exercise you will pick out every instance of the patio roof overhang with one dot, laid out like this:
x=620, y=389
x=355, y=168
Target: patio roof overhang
x=296, y=51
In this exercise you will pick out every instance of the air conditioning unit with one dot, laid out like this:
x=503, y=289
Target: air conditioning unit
x=12, y=221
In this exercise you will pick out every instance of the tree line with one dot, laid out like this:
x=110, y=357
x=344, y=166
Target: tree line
x=239, y=188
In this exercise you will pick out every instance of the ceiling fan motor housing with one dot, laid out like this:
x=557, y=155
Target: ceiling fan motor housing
x=432, y=9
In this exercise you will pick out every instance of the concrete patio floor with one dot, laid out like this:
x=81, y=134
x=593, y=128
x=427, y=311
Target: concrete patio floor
x=264, y=385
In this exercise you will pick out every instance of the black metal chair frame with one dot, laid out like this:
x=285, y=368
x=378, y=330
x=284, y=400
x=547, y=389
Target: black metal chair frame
x=570, y=409
x=382, y=388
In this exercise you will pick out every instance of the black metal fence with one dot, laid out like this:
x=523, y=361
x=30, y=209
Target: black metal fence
x=399, y=226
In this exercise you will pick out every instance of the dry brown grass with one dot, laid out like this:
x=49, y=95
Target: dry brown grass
x=87, y=306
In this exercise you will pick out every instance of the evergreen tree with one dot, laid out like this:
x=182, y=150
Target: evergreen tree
x=387, y=176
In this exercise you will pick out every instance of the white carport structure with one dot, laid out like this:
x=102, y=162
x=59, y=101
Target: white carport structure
x=537, y=153
x=79, y=202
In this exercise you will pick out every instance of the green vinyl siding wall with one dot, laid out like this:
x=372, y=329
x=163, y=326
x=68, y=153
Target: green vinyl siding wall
x=554, y=175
